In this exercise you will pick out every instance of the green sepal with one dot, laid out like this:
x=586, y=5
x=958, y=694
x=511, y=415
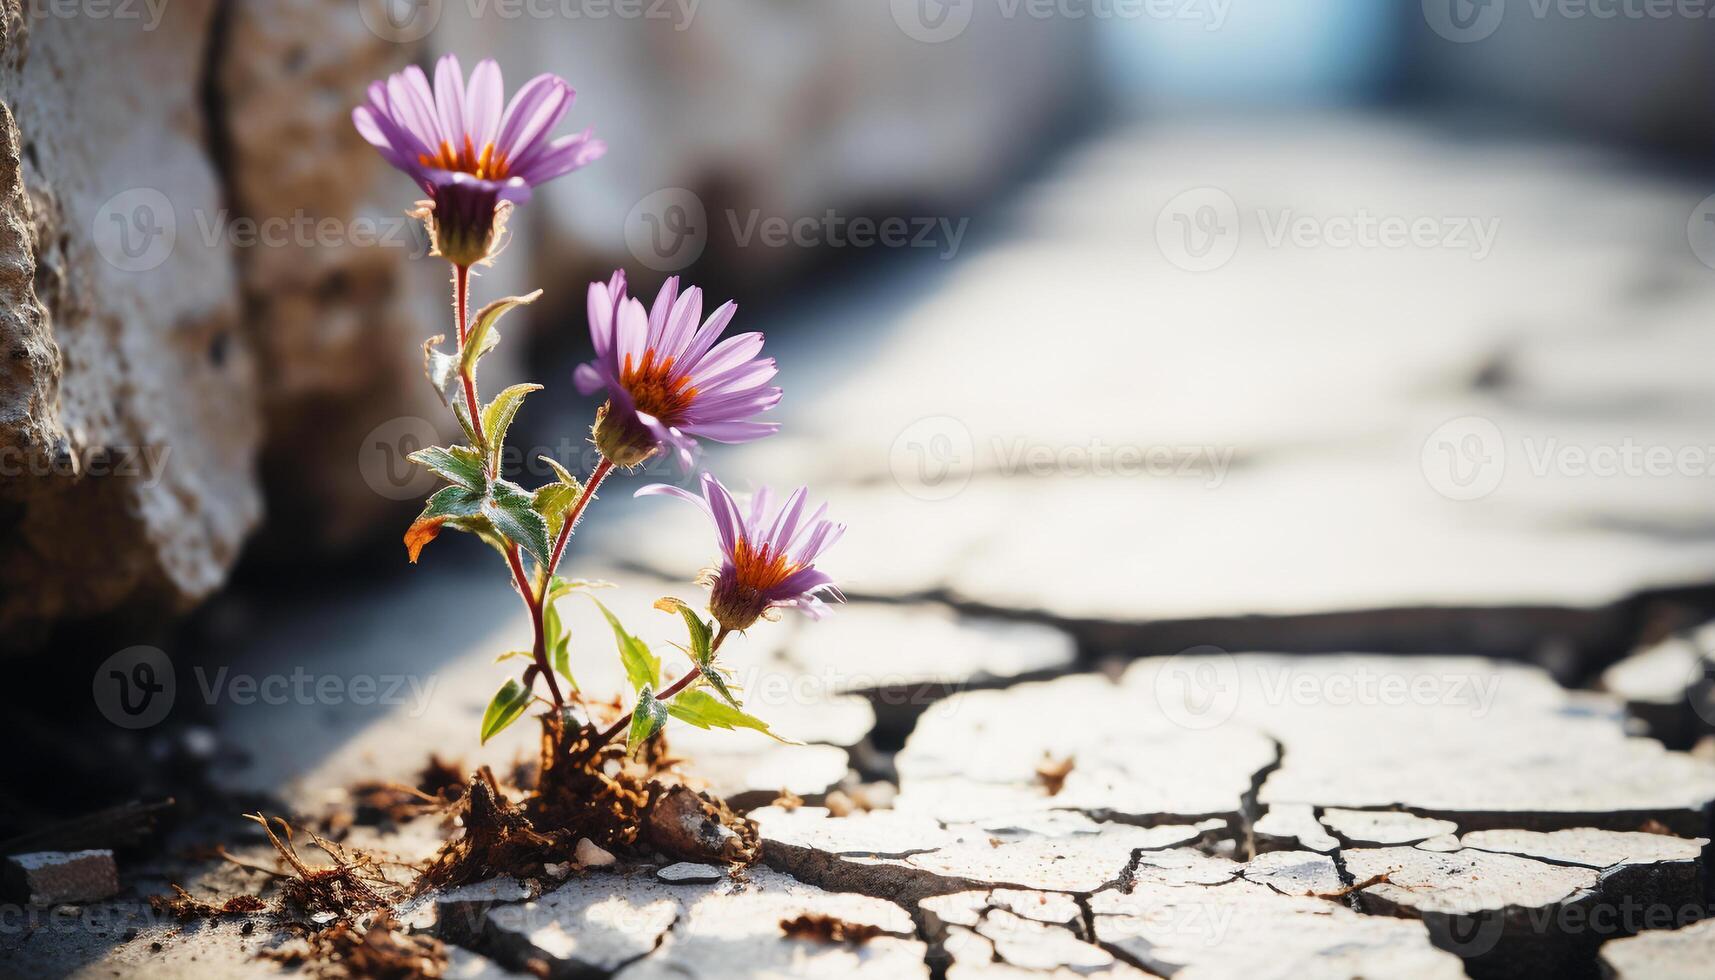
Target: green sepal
x=648, y=717
x=508, y=508
x=497, y=418
x=506, y=707
x=459, y=465
x=642, y=668
x=482, y=337
x=700, y=708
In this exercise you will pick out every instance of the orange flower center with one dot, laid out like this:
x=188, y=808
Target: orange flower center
x=760, y=569
x=486, y=165
x=655, y=389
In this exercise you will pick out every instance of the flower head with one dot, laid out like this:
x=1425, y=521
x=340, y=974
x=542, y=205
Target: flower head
x=468, y=153
x=767, y=557
x=667, y=381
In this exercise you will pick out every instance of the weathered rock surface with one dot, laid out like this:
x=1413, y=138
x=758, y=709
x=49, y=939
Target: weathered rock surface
x=1668, y=954
x=643, y=927
x=127, y=414
x=1670, y=685
x=1361, y=827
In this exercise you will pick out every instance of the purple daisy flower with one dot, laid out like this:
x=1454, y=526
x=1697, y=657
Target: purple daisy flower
x=468, y=153
x=767, y=559
x=668, y=383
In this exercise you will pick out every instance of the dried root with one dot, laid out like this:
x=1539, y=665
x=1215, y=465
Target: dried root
x=184, y=906
x=352, y=886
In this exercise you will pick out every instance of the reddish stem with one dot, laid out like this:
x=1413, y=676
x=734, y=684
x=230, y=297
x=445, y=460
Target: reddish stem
x=602, y=469
x=515, y=555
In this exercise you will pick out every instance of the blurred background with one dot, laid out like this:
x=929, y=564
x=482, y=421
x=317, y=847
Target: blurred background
x=1325, y=325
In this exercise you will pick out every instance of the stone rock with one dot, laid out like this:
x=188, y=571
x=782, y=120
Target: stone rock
x=901, y=857
x=1668, y=954
x=56, y=877
x=1384, y=828
x=640, y=927
x=686, y=873
x=1480, y=743
x=1242, y=929
x=590, y=855
x=1509, y=915
x=1291, y=826
x=975, y=755
x=1667, y=685
x=127, y=414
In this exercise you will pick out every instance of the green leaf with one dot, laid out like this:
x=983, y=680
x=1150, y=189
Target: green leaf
x=508, y=508
x=700, y=708
x=498, y=416
x=448, y=505
x=513, y=655
x=558, y=586
x=459, y=465
x=559, y=642
x=507, y=707
x=482, y=336
x=648, y=716
x=561, y=472
x=562, y=657
x=702, y=637
x=642, y=668
x=553, y=501
x=443, y=370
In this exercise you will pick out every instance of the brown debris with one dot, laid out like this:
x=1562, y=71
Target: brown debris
x=1380, y=879
x=693, y=826
x=788, y=801
x=1053, y=772
x=383, y=951
x=347, y=888
x=824, y=928
x=185, y=907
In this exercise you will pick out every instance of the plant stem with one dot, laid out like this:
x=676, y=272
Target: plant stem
x=679, y=685
x=600, y=473
x=515, y=555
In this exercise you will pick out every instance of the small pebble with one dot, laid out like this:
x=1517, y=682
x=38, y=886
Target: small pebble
x=591, y=856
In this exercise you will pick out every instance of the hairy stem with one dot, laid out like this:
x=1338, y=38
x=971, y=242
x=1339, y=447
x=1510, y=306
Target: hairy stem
x=600, y=473
x=607, y=735
x=514, y=555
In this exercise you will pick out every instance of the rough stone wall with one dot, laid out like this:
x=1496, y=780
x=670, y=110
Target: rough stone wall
x=127, y=410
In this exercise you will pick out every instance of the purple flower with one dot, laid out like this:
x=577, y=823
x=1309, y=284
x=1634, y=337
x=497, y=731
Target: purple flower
x=667, y=381
x=767, y=560
x=459, y=145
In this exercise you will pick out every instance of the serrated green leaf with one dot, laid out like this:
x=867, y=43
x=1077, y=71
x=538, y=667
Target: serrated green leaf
x=642, y=668
x=553, y=501
x=498, y=416
x=506, y=707
x=648, y=716
x=459, y=465
x=483, y=337
x=700, y=708
x=448, y=505
x=508, y=508
x=565, y=476
x=702, y=637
